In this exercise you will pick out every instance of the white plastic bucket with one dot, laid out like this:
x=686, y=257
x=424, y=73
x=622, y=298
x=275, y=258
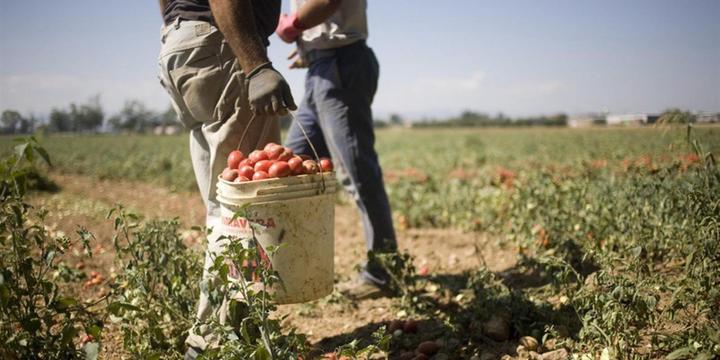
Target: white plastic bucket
x=296, y=214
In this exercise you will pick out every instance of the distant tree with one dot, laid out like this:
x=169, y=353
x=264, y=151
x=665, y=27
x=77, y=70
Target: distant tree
x=475, y=119
x=379, y=123
x=555, y=120
x=11, y=121
x=676, y=116
x=60, y=121
x=168, y=117
x=88, y=116
x=80, y=117
x=27, y=125
x=471, y=118
x=395, y=120
x=134, y=116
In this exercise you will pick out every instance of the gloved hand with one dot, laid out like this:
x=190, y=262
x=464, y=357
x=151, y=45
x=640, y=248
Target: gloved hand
x=289, y=28
x=268, y=92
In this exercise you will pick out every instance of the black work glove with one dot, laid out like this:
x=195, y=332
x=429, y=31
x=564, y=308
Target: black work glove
x=268, y=92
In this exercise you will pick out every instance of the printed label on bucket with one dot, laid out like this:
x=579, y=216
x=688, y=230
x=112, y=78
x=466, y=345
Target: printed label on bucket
x=243, y=224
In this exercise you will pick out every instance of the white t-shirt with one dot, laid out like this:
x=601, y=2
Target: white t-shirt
x=346, y=26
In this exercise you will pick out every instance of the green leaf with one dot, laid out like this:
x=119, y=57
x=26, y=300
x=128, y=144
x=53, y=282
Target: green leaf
x=68, y=334
x=49, y=257
x=244, y=330
x=20, y=151
x=43, y=153
x=64, y=303
x=94, y=331
x=261, y=353
x=704, y=356
x=114, y=308
x=682, y=353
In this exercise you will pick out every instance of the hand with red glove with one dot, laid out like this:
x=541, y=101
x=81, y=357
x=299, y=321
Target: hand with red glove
x=289, y=28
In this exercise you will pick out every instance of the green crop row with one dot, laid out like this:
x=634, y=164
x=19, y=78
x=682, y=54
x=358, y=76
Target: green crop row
x=619, y=228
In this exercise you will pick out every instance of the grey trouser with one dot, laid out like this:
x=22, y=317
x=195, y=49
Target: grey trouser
x=336, y=113
x=207, y=89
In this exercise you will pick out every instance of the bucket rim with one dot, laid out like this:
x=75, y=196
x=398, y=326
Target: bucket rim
x=271, y=181
x=229, y=202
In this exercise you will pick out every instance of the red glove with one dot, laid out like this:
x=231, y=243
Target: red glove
x=289, y=28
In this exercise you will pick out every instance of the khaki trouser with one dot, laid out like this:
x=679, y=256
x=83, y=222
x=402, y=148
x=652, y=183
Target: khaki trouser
x=207, y=89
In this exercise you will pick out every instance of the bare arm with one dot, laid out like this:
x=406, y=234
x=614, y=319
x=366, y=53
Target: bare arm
x=315, y=12
x=163, y=5
x=236, y=21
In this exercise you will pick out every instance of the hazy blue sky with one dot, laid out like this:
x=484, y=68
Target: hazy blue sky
x=436, y=57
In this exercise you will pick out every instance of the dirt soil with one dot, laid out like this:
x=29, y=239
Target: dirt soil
x=327, y=322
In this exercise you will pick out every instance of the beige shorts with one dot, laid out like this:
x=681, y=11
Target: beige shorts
x=207, y=89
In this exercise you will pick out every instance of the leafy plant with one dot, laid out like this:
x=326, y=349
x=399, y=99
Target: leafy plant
x=379, y=348
x=154, y=295
x=39, y=318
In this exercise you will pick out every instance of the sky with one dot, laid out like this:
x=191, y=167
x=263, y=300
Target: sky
x=437, y=58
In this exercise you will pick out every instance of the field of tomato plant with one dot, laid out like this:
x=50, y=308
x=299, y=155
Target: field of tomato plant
x=527, y=243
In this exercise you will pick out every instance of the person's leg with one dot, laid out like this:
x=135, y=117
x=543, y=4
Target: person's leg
x=306, y=119
x=223, y=135
x=343, y=99
x=206, y=86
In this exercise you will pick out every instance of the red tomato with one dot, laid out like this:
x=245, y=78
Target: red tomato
x=229, y=174
x=424, y=270
x=263, y=165
x=295, y=164
x=234, y=159
x=326, y=164
x=275, y=151
x=246, y=171
x=279, y=169
x=410, y=326
x=395, y=325
x=246, y=162
x=258, y=155
x=260, y=175
x=242, y=179
x=286, y=155
x=428, y=348
x=310, y=167
x=269, y=146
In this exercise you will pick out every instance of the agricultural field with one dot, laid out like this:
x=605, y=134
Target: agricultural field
x=537, y=243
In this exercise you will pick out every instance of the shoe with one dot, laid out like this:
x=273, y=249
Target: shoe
x=192, y=353
x=361, y=289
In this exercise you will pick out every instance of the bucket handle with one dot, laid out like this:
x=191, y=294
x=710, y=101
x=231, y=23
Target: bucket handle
x=312, y=147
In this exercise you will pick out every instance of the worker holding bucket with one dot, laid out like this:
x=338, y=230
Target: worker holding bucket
x=214, y=65
x=336, y=115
